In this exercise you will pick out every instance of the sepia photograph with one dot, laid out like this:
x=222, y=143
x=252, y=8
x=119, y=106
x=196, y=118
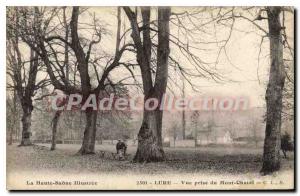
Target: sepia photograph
x=150, y=98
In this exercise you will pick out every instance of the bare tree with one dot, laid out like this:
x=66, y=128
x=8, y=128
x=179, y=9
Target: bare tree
x=23, y=77
x=271, y=157
x=25, y=93
x=148, y=59
x=149, y=137
x=276, y=32
x=47, y=38
x=54, y=124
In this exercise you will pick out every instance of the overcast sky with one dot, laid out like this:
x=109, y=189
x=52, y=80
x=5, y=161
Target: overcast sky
x=239, y=66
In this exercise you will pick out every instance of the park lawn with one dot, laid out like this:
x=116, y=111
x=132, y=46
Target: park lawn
x=210, y=160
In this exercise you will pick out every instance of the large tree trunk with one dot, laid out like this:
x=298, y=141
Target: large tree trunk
x=26, y=99
x=88, y=142
x=15, y=119
x=93, y=134
x=26, y=123
x=55, y=121
x=54, y=129
x=271, y=156
x=150, y=147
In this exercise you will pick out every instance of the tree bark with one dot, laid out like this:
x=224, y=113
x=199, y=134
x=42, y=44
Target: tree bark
x=26, y=124
x=93, y=134
x=88, y=142
x=271, y=156
x=149, y=139
x=54, y=129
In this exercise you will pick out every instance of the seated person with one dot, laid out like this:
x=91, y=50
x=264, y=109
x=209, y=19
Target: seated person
x=121, y=149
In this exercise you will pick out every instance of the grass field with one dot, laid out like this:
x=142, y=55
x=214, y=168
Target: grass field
x=210, y=160
x=37, y=163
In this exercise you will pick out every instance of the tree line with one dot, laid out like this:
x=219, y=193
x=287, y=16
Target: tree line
x=48, y=47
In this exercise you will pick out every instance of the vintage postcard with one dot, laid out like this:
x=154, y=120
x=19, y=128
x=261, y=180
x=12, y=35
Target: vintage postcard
x=150, y=98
